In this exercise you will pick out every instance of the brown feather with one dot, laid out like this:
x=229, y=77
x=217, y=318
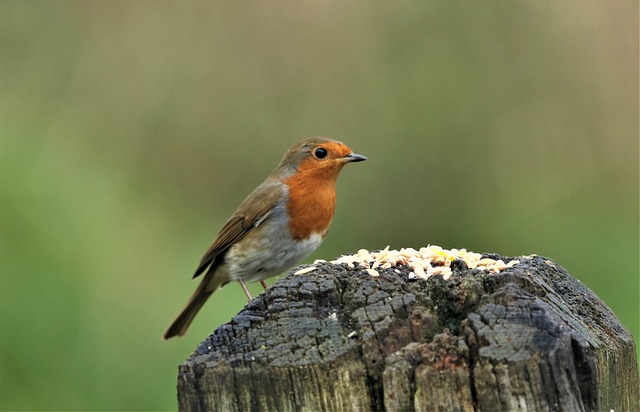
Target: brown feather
x=252, y=210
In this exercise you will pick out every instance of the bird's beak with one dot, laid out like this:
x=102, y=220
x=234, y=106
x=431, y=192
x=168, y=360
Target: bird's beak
x=353, y=157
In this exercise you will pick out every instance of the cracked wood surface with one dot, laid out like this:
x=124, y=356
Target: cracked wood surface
x=528, y=338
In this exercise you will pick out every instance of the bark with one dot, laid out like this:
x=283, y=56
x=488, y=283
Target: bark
x=528, y=338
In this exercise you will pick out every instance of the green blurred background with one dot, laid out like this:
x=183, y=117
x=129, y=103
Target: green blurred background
x=130, y=130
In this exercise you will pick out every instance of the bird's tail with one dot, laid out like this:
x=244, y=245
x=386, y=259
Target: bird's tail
x=180, y=325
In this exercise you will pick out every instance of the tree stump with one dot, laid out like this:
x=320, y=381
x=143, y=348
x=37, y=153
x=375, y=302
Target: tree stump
x=528, y=338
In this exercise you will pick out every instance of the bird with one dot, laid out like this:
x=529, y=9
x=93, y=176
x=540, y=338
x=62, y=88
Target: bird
x=281, y=222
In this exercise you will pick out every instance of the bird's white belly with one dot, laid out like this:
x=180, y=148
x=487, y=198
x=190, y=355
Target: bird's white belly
x=256, y=258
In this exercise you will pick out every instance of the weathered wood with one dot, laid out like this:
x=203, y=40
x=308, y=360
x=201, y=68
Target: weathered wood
x=529, y=338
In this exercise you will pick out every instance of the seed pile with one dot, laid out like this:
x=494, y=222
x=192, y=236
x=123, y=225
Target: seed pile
x=424, y=263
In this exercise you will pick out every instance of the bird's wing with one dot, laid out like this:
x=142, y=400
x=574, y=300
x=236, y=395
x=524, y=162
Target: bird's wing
x=251, y=213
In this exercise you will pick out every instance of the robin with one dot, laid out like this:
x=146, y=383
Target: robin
x=281, y=222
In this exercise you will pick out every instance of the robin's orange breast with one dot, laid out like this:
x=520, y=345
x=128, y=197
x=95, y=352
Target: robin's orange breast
x=311, y=204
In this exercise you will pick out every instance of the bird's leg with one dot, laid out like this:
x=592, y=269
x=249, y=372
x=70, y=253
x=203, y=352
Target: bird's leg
x=244, y=287
x=263, y=283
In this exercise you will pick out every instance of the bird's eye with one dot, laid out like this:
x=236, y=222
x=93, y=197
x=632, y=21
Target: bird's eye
x=320, y=153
